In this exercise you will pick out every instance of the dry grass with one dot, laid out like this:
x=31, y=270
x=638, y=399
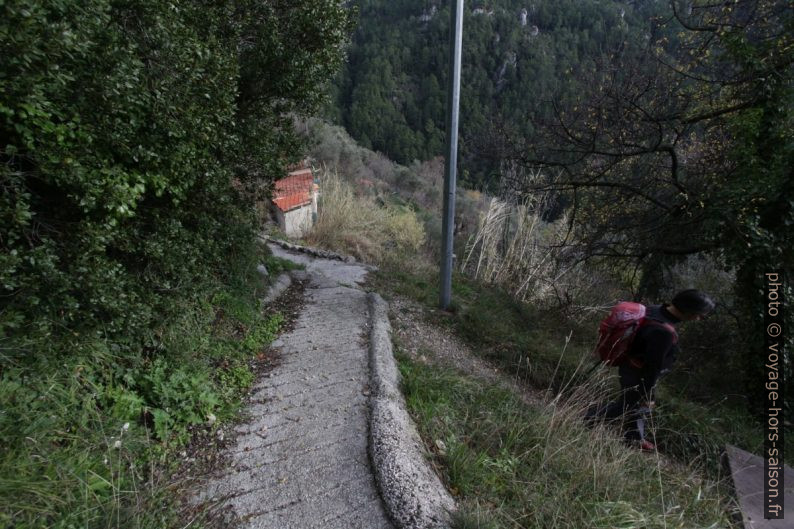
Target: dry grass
x=534, y=260
x=516, y=249
x=512, y=466
x=356, y=224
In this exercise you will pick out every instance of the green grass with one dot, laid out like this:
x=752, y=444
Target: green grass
x=512, y=466
x=534, y=346
x=276, y=265
x=520, y=339
x=89, y=440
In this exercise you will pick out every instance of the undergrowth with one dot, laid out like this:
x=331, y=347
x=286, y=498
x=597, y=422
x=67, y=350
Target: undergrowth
x=276, y=265
x=512, y=466
x=88, y=437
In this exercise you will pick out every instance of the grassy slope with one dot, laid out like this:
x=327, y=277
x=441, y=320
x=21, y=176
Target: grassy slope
x=532, y=344
x=89, y=441
x=515, y=467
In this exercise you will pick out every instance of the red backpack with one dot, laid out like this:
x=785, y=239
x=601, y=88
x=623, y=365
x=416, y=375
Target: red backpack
x=617, y=331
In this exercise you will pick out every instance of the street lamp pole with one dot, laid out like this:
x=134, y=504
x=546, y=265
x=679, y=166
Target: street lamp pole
x=450, y=165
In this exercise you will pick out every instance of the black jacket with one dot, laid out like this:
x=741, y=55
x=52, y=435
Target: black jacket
x=654, y=346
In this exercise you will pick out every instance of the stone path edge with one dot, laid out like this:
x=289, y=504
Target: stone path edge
x=412, y=493
x=278, y=287
x=314, y=252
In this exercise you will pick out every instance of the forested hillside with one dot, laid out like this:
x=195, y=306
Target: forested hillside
x=518, y=56
x=660, y=131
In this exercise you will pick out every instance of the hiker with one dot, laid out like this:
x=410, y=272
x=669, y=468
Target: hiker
x=649, y=356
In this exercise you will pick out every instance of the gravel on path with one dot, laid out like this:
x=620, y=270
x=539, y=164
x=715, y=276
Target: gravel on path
x=426, y=342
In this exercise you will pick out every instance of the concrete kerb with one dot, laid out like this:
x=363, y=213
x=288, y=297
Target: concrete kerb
x=278, y=287
x=413, y=494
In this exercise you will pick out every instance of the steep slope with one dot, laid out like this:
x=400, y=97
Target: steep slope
x=518, y=55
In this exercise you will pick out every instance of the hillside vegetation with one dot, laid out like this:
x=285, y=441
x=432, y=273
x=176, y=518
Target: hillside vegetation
x=522, y=304
x=517, y=295
x=517, y=56
x=511, y=464
x=136, y=138
x=654, y=135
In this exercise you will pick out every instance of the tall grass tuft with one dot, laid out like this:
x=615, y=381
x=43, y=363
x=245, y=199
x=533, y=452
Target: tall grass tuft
x=515, y=248
x=357, y=224
x=512, y=466
x=69, y=457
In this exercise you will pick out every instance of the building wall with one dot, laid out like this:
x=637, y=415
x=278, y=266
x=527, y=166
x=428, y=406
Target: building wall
x=298, y=221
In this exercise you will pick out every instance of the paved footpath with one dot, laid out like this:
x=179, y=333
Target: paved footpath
x=301, y=461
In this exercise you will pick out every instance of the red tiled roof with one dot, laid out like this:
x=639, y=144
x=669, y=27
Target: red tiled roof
x=294, y=191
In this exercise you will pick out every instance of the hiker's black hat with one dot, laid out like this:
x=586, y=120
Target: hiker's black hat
x=693, y=301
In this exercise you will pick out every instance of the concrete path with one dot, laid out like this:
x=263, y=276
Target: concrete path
x=301, y=462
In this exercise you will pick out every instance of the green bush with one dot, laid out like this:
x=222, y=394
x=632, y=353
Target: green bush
x=135, y=139
x=109, y=203
x=183, y=396
x=81, y=436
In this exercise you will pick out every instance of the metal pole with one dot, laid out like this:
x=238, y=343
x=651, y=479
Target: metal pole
x=450, y=169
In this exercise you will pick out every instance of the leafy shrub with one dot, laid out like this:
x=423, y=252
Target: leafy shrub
x=182, y=394
x=103, y=185
x=404, y=229
x=80, y=436
x=125, y=404
x=262, y=334
x=134, y=138
x=235, y=379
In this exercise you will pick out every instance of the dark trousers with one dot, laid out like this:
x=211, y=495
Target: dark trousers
x=631, y=406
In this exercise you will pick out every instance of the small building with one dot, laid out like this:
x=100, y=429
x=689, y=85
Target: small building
x=295, y=201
